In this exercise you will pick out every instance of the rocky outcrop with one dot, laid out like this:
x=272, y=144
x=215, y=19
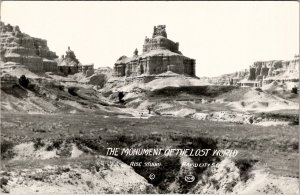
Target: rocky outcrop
x=69, y=64
x=160, y=55
x=265, y=72
x=262, y=72
x=274, y=68
x=19, y=49
x=22, y=49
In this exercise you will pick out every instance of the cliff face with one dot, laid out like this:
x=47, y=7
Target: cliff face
x=262, y=72
x=18, y=48
x=275, y=69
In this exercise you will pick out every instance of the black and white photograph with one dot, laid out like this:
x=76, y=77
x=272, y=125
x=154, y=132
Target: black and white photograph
x=149, y=97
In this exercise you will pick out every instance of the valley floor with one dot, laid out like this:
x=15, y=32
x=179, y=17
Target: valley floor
x=75, y=139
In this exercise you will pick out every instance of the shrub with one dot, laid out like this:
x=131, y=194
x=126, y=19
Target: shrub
x=294, y=90
x=6, y=149
x=89, y=145
x=39, y=130
x=243, y=103
x=56, y=144
x=61, y=87
x=259, y=89
x=73, y=91
x=245, y=166
x=38, y=143
x=3, y=182
x=121, y=96
x=23, y=81
x=6, y=145
x=295, y=121
x=251, y=120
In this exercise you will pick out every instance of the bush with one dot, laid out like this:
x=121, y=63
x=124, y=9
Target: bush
x=295, y=121
x=259, y=89
x=245, y=167
x=3, y=182
x=6, y=149
x=121, y=96
x=6, y=145
x=61, y=87
x=89, y=145
x=56, y=144
x=23, y=81
x=39, y=130
x=73, y=91
x=294, y=90
x=38, y=143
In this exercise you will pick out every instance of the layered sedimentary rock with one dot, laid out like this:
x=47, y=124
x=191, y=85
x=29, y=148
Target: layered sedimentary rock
x=69, y=64
x=264, y=69
x=22, y=49
x=160, y=54
x=264, y=72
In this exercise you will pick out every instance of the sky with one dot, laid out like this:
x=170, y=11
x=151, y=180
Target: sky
x=223, y=37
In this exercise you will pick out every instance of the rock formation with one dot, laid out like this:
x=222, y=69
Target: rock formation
x=87, y=69
x=264, y=72
x=160, y=54
x=69, y=64
x=21, y=49
x=265, y=69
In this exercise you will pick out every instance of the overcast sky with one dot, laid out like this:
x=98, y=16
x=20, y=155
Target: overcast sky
x=223, y=37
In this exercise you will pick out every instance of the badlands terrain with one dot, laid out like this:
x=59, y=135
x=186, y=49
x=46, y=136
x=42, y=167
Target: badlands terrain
x=58, y=117
x=55, y=133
